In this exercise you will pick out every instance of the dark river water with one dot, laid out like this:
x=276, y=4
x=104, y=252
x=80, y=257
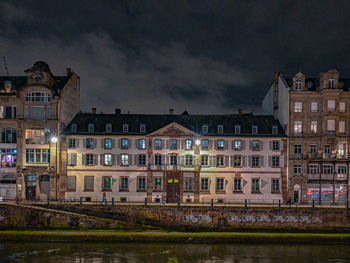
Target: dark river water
x=171, y=253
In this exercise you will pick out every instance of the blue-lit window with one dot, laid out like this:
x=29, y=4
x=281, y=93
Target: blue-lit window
x=237, y=145
x=108, y=143
x=205, y=144
x=158, y=144
x=188, y=144
x=220, y=145
x=142, y=144
x=125, y=143
x=90, y=143
x=173, y=144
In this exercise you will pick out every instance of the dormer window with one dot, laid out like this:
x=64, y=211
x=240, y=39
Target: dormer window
x=91, y=127
x=204, y=129
x=254, y=129
x=220, y=128
x=298, y=84
x=237, y=129
x=331, y=83
x=109, y=127
x=274, y=129
x=142, y=128
x=73, y=128
x=125, y=127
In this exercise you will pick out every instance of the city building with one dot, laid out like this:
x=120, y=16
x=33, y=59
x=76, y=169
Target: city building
x=34, y=109
x=194, y=158
x=314, y=112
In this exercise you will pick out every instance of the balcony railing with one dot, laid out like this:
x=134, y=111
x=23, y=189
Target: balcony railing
x=37, y=141
x=329, y=156
x=298, y=156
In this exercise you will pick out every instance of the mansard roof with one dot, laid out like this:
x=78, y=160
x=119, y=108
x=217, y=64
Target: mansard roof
x=194, y=123
x=312, y=83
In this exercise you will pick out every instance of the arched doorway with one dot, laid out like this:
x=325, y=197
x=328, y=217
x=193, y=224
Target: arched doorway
x=296, y=194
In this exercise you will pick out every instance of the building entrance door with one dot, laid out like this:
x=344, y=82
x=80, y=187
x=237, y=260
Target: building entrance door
x=173, y=187
x=31, y=187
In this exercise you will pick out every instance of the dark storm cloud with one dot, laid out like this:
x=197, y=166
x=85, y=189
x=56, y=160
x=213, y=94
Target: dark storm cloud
x=203, y=56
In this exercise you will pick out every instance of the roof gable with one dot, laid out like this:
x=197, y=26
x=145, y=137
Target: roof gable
x=173, y=129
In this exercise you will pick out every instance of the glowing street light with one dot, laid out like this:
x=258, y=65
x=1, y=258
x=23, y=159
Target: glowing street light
x=54, y=139
x=197, y=142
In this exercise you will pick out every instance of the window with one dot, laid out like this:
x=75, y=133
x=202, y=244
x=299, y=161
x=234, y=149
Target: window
x=173, y=159
x=107, y=143
x=8, y=135
x=313, y=127
x=237, y=160
x=109, y=127
x=157, y=183
x=255, y=161
x=125, y=144
x=188, y=144
x=220, y=184
x=255, y=145
x=275, y=145
x=8, y=157
x=298, y=107
x=327, y=149
x=275, y=161
x=327, y=169
x=72, y=159
x=71, y=182
x=298, y=149
x=331, y=83
x=254, y=129
x=158, y=144
x=204, y=184
x=124, y=159
x=313, y=150
x=37, y=156
x=188, y=184
x=142, y=128
x=188, y=160
x=124, y=184
x=298, y=84
x=173, y=144
x=237, y=145
x=37, y=112
x=220, y=128
x=91, y=127
x=220, y=145
x=297, y=168
x=142, y=144
x=220, y=160
x=125, y=127
x=204, y=129
x=255, y=185
x=237, y=129
x=313, y=169
x=274, y=129
x=341, y=170
x=342, y=106
x=73, y=128
x=330, y=127
x=142, y=159
x=88, y=183
x=72, y=143
x=106, y=183
x=204, y=160
x=37, y=96
x=237, y=184
x=107, y=159
x=89, y=159
x=141, y=183
x=313, y=106
x=342, y=127
x=205, y=144
x=90, y=143
x=275, y=185
x=158, y=159
x=298, y=128
x=341, y=150
x=331, y=104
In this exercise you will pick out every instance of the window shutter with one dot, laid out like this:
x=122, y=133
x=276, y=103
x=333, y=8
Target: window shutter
x=95, y=159
x=243, y=144
x=84, y=143
x=136, y=159
x=270, y=145
x=154, y=143
x=130, y=159
x=69, y=158
x=270, y=161
x=83, y=159
x=250, y=161
x=178, y=160
x=225, y=144
x=137, y=143
x=167, y=159
x=74, y=159
x=261, y=145
x=210, y=144
x=153, y=161
x=281, y=161
x=250, y=145
x=194, y=160
x=167, y=142
x=244, y=161
x=119, y=143
x=114, y=159
x=113, y=142
x=182, y=160
x=233, y=145
x=102, y=143
x=95, y=141
x=102, y=159
x=76, y=143
x=146, y=143
x=119, y=159
x=216, y=145
x=227, y=160
x=261, y=157
x=183, y=144
x=130, y=143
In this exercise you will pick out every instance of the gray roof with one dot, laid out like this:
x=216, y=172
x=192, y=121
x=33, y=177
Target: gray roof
x=194, y=123
x=314, y=82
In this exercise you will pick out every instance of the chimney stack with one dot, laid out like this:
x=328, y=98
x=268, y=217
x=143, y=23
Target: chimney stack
x=117, y=111
x=69, y=72
x=171, y=111
x=93, y=111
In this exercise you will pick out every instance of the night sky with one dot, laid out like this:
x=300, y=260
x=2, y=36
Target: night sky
x=200, y=56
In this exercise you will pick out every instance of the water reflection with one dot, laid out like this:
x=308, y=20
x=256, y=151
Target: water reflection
x=169, y=253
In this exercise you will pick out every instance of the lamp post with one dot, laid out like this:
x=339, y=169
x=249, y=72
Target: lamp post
x=54, y=139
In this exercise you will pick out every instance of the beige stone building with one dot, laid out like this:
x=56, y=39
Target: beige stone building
x=194, y=158
x=33, y=109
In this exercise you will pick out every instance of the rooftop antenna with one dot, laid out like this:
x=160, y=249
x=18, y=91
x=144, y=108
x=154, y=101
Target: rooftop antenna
x=5, y=65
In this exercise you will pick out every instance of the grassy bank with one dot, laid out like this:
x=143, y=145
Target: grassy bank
x=160, y=236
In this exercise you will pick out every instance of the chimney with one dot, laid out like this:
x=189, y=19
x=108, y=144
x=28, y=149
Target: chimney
x=93, y=111
x=171, y=111
x=69, y=72
x=117, y=111
x=240, y=111
x=275, y=94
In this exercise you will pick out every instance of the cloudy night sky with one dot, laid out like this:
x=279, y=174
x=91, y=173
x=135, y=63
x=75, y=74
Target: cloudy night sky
x=200, y=56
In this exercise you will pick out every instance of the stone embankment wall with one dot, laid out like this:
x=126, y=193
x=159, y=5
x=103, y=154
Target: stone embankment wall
x=17, y=216
x=197, y=218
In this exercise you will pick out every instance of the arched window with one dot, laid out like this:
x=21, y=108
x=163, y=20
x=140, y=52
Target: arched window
x=8, y=135
x=38, y=96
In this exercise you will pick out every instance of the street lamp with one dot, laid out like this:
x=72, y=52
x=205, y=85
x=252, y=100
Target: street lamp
x=197, y=142
x=54, y=139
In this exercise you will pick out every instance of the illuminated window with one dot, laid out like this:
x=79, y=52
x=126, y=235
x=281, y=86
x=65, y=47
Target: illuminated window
x=298, y=84
x=237, y=145
x=125, y=144
x=106, y=182
x=37, y=96
x=173, y=144
x=157, y=183
x=205, y=144
x=125, y=159
x=298, y=107
x=188, y=145
x=298, y=128
x=108, y=143
x=142, y=144
x=237, y=160
x=107, y=159
x=313, y=106
x=255, y=145
x=158, y=144
x=313, y=127
x=8, y=157
x=331, y=83
x=90, y=143
x=220, y=145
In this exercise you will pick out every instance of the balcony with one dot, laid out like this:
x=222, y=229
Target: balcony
x=37, y=141
x=314, y=156
x=298, y=156
x=329, y=156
